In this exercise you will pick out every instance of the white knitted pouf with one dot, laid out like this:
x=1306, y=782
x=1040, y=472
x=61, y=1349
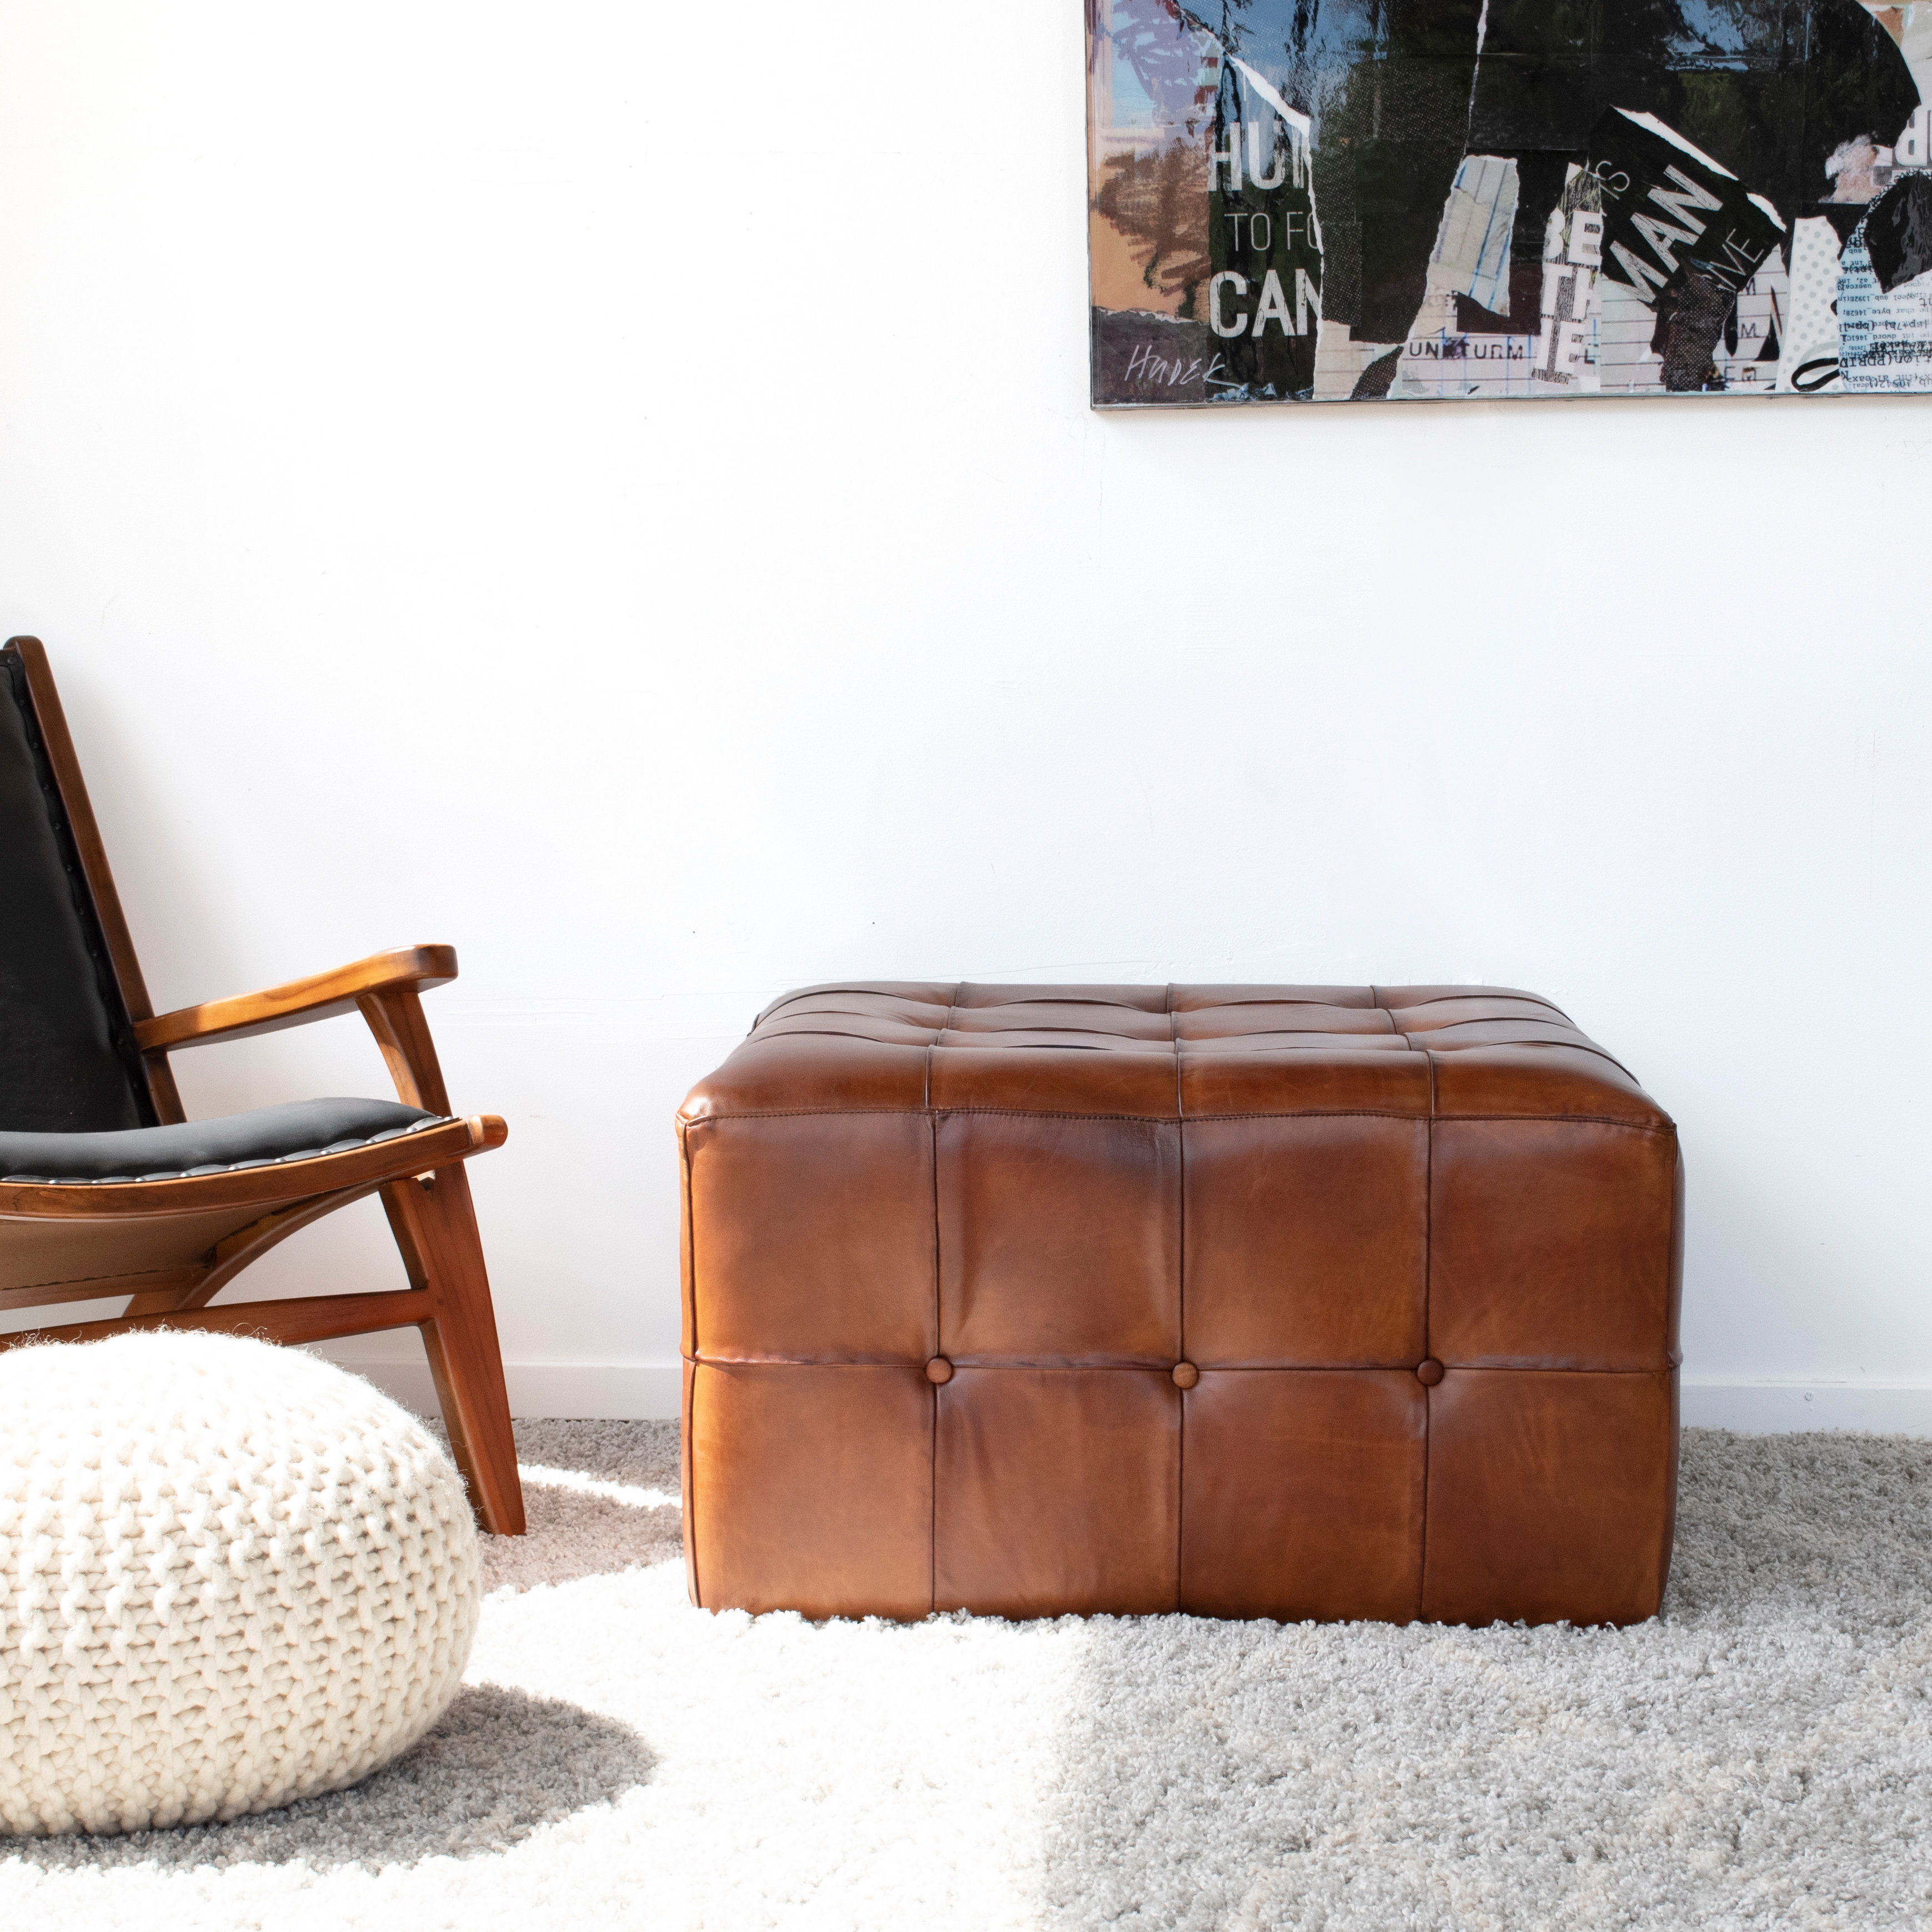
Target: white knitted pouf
x=231, y=1576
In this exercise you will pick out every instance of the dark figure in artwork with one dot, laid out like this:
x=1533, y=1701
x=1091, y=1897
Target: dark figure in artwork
x=1770, y=89
x=1397, y=92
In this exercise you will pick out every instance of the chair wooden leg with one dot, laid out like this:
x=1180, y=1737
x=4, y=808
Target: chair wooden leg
x=434, y=1222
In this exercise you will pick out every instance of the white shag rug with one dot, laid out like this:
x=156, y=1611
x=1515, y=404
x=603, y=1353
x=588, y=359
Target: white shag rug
x=1759, y=1755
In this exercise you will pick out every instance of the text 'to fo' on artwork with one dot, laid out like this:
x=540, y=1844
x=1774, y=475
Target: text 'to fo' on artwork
x=1296, y=201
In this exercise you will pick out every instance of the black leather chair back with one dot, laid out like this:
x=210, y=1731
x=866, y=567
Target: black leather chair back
x=67, y=1059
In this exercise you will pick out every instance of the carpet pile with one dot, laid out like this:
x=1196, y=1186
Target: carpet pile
x=1759, y=1755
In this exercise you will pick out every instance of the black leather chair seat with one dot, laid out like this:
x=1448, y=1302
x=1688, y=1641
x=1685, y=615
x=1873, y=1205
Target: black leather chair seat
x=300, y=1130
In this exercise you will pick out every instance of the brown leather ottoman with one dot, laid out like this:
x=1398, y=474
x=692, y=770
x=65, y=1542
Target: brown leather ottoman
x=1282, y=1301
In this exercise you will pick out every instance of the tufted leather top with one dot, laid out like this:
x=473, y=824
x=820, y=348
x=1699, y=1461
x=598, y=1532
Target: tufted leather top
x=1173, y=1052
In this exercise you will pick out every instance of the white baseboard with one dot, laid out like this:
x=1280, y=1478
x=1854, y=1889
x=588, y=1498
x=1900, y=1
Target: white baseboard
x=579, y=1391
x=638, y=1391
x=1777, y=1408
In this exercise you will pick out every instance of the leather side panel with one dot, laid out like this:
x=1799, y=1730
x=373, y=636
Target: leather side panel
x=814, y=1237
x=1674, y=1312
x=1551, y=1245
x=1302, y=1494
x=686, y=1269
x=1059, y=1240
x=1550, y=1495
x=1056, y=1492
x=1307, y=1241
x=811, y=1488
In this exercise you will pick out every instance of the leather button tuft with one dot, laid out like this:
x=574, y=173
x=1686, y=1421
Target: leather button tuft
x=939, y=1369
x=1185, y=1374
x=1429, y=1371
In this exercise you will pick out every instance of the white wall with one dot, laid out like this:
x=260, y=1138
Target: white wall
x=624, y=500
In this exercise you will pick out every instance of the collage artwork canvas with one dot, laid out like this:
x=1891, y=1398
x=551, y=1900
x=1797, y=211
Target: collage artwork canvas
x=1337, y=200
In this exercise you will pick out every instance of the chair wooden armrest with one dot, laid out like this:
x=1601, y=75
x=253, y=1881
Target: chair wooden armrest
x=413, y=969
x=385, y=988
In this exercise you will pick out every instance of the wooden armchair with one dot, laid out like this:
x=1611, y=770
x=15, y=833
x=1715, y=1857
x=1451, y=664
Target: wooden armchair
x=105, y=1190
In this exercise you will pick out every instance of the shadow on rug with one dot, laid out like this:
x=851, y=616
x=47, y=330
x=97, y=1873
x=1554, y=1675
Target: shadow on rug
x=571, y=1535
x=501, y=1765
x=1759, y=1755
x=599, y=1497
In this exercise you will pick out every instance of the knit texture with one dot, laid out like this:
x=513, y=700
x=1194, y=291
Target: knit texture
x=231, y=1576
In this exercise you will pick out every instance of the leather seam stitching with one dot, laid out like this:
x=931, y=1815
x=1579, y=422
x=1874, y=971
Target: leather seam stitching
x=938, y=1315
x=1428, y=1340
x=1043, y=1114
x=690, y=1460
x=691, y=1211
x=1179, y=1312
x=1032, y=1364
x=1170, y=1120
x=689, y=1445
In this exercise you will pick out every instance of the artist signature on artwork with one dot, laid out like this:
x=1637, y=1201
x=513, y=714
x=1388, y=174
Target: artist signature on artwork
x=1173, y=372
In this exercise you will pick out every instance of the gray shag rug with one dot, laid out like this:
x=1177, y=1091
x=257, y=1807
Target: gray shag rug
x=1759, y=1755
